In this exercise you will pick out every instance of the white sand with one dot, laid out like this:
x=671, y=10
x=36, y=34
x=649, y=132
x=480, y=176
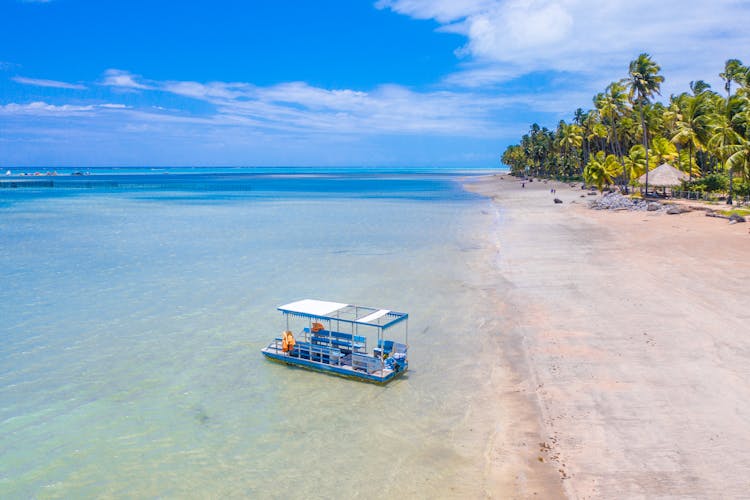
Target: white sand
x=629, y=334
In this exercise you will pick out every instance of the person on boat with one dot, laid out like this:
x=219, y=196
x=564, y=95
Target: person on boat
x=287, y=341
x=317, y=327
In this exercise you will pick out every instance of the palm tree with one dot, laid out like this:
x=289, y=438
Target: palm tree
x=699, y=87
x=570, y=137
x=599, y=131
x=590, y=119
x=723, y=137
x=733, y=72
x=691, y=123
x=739, y=157
x=514, y=158
x=739, y=154
x=612, y=105
x=642, y=83
x=662, y=151
x=635, y=162
x=602, y=170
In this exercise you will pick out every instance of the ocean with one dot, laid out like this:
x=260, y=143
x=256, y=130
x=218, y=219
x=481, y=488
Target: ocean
x=134, y=304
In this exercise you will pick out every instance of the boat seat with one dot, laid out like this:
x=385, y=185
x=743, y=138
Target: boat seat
x=315, y=352
x=366, y=363
x=385, y=345
x=338, y=339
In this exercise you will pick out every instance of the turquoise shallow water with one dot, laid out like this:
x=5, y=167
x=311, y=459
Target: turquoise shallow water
x=132, y=318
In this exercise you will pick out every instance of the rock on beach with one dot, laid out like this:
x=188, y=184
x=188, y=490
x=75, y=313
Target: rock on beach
x=616, y=201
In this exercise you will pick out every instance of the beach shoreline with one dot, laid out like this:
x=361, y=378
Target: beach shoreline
x=624, y=332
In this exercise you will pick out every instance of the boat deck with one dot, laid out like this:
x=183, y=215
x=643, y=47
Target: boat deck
x=331, y=360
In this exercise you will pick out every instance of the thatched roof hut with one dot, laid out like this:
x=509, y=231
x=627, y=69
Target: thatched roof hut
x=665, y=175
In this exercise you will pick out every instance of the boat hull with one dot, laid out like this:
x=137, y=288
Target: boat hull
x=340, y=371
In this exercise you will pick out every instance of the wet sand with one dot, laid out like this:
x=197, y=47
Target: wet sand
x=628, y=334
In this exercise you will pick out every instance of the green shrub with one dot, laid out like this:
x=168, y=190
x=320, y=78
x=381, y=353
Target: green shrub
x=710, y=183
x=742, y=188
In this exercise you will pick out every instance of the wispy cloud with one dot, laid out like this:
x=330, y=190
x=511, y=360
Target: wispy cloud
x=286, y=123
x=298, y=106
x=48, y=83
x=123, y=80
x=41, y=108
x=507, y=39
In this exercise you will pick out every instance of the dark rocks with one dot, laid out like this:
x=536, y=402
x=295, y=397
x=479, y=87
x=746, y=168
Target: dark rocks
x=676, y=210
x=558, y=200
x=616, y=201
x=733, y=219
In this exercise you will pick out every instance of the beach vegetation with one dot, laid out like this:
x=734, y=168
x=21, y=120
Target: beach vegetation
x=643, y=82
x=743, y=212
x=700, y=131
x=602, y=170
x=711, y=183
x=635, y=162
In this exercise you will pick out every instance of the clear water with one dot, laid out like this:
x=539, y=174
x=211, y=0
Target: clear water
x=132, y=317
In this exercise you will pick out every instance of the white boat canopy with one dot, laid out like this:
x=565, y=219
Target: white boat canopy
x=337, y=311
x=313, y=307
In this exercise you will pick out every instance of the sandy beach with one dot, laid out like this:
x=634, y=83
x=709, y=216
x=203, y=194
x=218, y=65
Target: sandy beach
x=628, y=337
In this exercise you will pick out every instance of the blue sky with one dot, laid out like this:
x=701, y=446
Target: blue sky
x=387, y=82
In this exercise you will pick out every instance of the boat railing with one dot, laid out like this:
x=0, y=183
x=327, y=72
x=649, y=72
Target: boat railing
x=344, y=341
x=369, y=364
x=313, y=352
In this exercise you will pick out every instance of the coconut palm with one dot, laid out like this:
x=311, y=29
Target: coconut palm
x=738, y=158
x=612, y=105
x=662, y=151
x=733, y=72
x=699, y=87
x=629, y=131
x=739, y=154
x=692, y=122
x=570, y=137
x=723, y=137
x=515, y=159
x=602, y=170
x=598, y=136
x=590, y=119
x=642, y=83
x=635, y=162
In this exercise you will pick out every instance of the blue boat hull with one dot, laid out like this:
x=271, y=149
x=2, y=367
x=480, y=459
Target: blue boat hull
x=332, y=369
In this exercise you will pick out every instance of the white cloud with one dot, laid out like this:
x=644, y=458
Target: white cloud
x=48, y=83
x=443, y=11
x=303, y=108
x=123, y=80
x=511, y=38
x=41, y=108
